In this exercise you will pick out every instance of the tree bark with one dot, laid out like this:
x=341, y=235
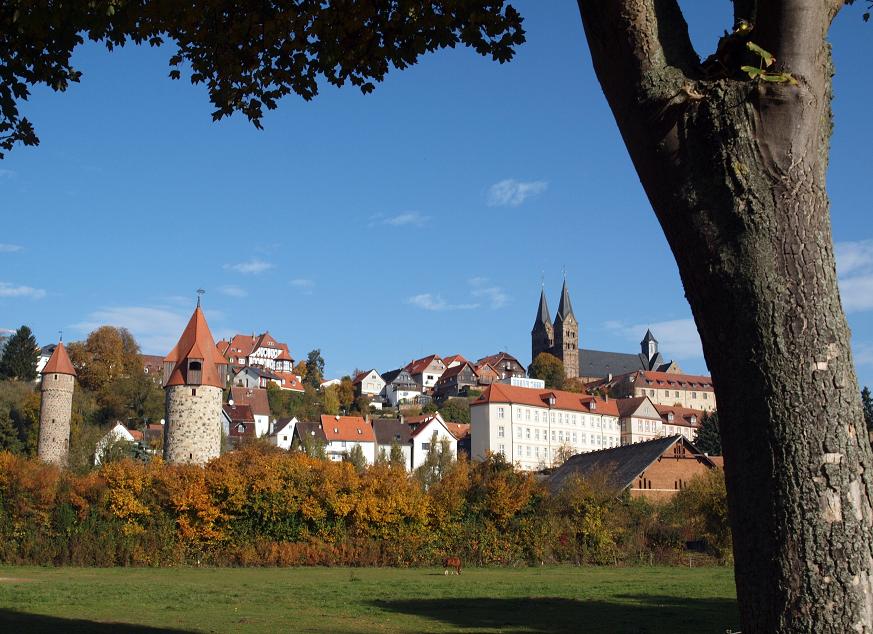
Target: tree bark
x=735, y=172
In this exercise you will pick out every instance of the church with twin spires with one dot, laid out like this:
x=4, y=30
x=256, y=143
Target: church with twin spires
x=560, y=338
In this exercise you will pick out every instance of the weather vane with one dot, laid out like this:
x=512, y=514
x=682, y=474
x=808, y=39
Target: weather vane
x=200, y=293
x=61, y=334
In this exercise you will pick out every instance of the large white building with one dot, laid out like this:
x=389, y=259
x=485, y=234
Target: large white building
x=342, y=433
x=530, y=426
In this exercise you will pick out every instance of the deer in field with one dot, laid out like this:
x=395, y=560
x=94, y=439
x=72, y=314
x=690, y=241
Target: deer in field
x=453, y=564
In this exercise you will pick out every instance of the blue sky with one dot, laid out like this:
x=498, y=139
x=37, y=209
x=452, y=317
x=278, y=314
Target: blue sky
x=415, y=220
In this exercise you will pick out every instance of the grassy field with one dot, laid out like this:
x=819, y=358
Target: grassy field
x=135, y=600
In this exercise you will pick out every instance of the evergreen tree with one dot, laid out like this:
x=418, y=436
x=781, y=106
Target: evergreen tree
x=382, y=458
x=9, y=440
x=708, y=438
x=437, y=463
x=357, y=458
x=314, y=369
x=20, y=356
x=397, y=458
x=867, y=404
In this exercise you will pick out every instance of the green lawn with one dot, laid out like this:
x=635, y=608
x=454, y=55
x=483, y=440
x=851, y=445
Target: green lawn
x=552, y=599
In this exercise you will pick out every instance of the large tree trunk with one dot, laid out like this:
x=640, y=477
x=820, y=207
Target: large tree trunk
x=735, y=171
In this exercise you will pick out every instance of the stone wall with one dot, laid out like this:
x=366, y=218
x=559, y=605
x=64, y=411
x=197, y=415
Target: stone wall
x=54, y=418
x=192, y=433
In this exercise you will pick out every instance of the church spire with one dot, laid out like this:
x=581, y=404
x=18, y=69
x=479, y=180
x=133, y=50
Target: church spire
x=565, y=307
x=543, y=317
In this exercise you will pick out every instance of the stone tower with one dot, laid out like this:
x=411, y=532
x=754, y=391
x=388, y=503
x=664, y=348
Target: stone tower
x=566, y=327
x=542, y=336
x=56, y=406
x=194, y=376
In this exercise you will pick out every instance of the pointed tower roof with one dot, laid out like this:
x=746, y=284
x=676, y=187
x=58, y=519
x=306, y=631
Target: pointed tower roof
x=565, y=307
x=59, y=362
x=543, y=317
x=649, y=337
x=196, y=343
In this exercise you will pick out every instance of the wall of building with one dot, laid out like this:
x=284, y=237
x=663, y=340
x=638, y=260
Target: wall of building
x=192, y=433
x=668, y=475
x=55, y=411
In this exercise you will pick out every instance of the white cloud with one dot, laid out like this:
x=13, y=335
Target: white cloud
x=406, y=219
x=157, y=329
x=250, y=267
x=676, y=338
x=493, y=296
x=512, y=193
x=855, y=271
x=428, y=301
x=233, y=291
x=301, y=282
x=8, y=290
x=10, y=248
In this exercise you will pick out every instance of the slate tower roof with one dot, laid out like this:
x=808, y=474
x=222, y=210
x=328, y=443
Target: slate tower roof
x=543, y=317
x=565, y=307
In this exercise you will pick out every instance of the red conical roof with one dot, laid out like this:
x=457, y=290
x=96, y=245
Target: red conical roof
x=196, y=343
x=59, y=362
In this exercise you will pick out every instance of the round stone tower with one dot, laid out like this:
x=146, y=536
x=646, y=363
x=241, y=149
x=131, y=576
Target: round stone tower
x=56, y=406
x=194, y=377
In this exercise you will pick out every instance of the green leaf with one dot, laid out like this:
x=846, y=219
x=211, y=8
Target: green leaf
x=779, y=78
x=766, y=56
x=753, y=71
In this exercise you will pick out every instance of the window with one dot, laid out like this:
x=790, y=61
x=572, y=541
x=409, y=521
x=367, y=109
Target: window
x=284, y=438
x=652, y=392
x=518, y=432
x=500, y=432
x=344, y=444
x=705, y=396
x=694, y=395
x=528, y=450
x=500, y=412
x=527, y=414
x=424, y=446
x=501, y=449
x=527, y=432
x=536, y=434
x=56, y=377
x=667, y=393
x=193, y=391
x=538, y=452
x=574, y=437
x=536, y=416
x=553, y=435
x=677, y=393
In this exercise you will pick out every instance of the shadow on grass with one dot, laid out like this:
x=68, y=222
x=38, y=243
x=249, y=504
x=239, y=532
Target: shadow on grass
x=630, y=614
x=19, y=622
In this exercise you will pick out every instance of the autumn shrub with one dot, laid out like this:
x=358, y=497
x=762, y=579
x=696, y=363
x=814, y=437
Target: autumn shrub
x=263, y=507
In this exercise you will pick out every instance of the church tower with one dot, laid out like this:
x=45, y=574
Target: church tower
x=194, y=377
x=566, y=330
x=649, y=346
x=542, y=336
x=56, y=406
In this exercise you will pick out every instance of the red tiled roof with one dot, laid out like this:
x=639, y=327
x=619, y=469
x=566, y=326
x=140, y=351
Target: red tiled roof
x=360, y=376
x=494, y=359
x=681, y=415
x=197, y=343
x=571, y=401
x=292, y=381
x=459, y=430
x=284, y=356
x=456, y=370
x=420, y=365
x=137, y=434
x=59, y=362
x=254, y=397
x=153, y=362
x=455, y=357
x=629, y=406
x=683, y=381
x=239, y=413
x=353, y=428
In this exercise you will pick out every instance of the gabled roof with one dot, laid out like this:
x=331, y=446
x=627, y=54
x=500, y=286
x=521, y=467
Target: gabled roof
x=259, y=370
x=395, y=376
x=282, y=423
x=59, y=362
x=458, y=430
x=291, y=381
x=420, y=365
x=543, y=318
x=255, y=397
x=353, y=428
x=681, y=415
x=621, y=465
x=571, y=401
x=196, y=343
x=449, y=360
x=629, y=407
x=455, y=370
x=648, y=337
x=495, y=360
x=391, y=430
x=360, y=376
x=309, y=429
x=419, y=427
x=153, y=363
x=238, y=413
x=565, y=307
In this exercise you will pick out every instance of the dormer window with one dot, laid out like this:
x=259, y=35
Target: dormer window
x=693, y=419
x=593, y=405
x=670, y=416
x=195, y=372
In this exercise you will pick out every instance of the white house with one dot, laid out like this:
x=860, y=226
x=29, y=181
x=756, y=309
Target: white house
x=426, y=372
x=262, y=350
x=640, y=420
x=680, y=420
x=329, y=382
x=283, y=432
x=368, y=383
x=400, y=388
x=393, y=431
x=342, y=433
x=530, y=426
x=119, y=432
x=256, y=398
x=423, y=429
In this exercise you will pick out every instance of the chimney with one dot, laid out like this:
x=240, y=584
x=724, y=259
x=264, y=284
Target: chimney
x=401, y=418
